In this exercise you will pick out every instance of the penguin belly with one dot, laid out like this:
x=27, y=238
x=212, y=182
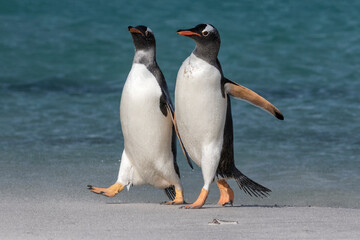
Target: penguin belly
x=147, y=132
x=200, y=108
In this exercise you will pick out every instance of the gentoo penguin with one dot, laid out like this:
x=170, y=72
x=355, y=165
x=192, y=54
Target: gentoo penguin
x=146, y=115
x=203, y=116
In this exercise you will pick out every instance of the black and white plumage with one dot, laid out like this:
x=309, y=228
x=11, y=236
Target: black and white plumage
x=203, y=111
x=147, y=116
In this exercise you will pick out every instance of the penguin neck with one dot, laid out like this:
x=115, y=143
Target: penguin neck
x=145, y=56
x=207, y=53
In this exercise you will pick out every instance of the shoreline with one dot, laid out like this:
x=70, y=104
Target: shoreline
x=93, y=220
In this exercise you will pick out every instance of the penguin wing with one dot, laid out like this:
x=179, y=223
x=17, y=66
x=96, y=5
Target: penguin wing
x=173, y=118
x=243, y=93
x=170, y=110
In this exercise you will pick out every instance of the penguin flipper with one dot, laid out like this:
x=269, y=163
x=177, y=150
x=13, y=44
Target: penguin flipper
x=243, y=93
x=173, y=118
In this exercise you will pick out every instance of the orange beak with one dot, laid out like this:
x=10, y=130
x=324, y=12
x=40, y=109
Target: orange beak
x=134, y=30
x=187, y=33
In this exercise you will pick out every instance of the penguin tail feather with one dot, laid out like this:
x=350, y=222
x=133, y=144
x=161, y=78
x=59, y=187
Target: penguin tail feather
x=249, y=186
x=170, y=192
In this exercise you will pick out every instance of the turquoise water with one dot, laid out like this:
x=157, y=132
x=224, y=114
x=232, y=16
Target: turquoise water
x=63, y=65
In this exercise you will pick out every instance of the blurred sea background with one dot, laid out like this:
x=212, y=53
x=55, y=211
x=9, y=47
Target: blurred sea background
x=63, y=65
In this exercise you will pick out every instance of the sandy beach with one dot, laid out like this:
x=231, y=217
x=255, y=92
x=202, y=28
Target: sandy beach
x=63, y=67
x=93, y=220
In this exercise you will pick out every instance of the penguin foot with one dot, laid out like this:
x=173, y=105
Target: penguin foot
x=174, y=202
x=108, y=192
x=226, y=193
x=179, y=198
x=200, y=201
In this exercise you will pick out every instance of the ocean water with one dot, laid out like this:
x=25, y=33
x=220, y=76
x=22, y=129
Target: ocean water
x=63, y=65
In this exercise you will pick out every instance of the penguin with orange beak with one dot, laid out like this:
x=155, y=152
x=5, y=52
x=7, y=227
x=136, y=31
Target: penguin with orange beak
x=204, y=119
x=147, y=121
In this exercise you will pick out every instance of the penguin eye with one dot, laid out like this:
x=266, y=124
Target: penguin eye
x=205, y=33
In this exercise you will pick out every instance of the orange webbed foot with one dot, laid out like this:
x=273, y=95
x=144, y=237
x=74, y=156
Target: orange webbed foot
x=193, y=206
x=179, y=198
x=200, y=201
x=108, y=192
x=226, y=193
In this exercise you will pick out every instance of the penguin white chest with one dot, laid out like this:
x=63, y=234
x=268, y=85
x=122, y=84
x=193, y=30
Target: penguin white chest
x=147, y=132
x=140, y=84
x=200, y=106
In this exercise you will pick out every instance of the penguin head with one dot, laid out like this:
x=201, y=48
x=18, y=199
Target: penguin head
x=143, y=37
x=206, y=36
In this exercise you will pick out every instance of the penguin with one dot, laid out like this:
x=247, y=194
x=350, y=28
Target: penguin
x=147, y=122
x=204, y=119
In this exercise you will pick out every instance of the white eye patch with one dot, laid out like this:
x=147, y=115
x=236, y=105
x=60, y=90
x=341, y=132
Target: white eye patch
x=149, y=30
x=208, y=28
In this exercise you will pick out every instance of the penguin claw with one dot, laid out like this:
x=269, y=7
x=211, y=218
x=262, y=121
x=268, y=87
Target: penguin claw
x=227, y=204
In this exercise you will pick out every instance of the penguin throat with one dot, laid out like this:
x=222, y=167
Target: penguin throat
x=145, y=57
x=208, y=53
